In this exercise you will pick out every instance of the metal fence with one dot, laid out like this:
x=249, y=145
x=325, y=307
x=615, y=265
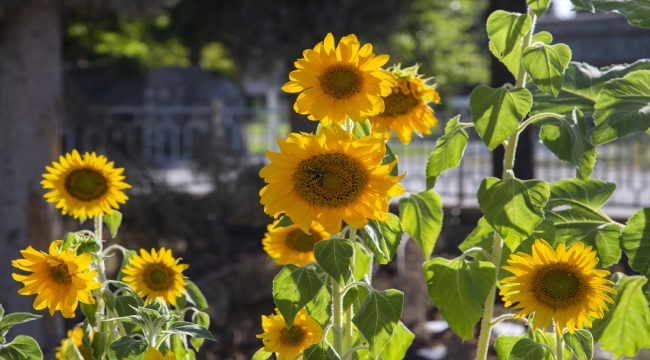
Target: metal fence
x=169, y=137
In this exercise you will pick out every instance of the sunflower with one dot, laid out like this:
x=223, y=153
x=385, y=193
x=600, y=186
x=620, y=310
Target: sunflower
x=406, y=108
x=155, y=274
x=61, y=279
x=339, y=82
x=329, y=177
x=76, y=336
x=560, y=285
x=154, y=354
x=85, y=187
x=289, y=342
x=290, y=245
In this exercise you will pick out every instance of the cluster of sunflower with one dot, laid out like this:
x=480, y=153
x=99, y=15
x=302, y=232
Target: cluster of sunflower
x=140, y=314
x=326, y=187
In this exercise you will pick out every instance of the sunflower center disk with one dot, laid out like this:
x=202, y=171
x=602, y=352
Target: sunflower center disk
x=558, y=286
x=341, y=81
x=398, y=103
x=330, y=180
x=300, y=241
x=158, y=277
x=86, y=184
x=59, y=274
x=292, y=336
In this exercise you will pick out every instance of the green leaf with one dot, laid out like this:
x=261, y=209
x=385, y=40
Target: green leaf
x=98, y=345
x=202, y=319
x=582, y=83
x=581, y=344
x=567, y=139
x=448, y=151
x=321, y=351
x=334, y=257
x=89, y=246
x=124, y=306
x=262, y=354
x=178, y=346
x=109, y=299
x=113, y=221
x=195, y=295
x=293, y=288
x=527, y=349
x=284, y=222
x=506, y=32
x=538, y=6
x=574, y=208
x=14, y=319
x=377, y=318
x=69, y=240
x=546, y=65
x=89, y=311
x=543, y=37
x=389, y=158
x=421, y=217
x=622, y=107
x=459, y=288
x=362, y=264
x=22, y=348
x=624, y=330
x=126, y=348
x=320, y=306
x=637, y=12
x=635, y=241
x=69, y=350
x=362, y=129
x=189, y=329
x=504, y=344
x=498, y=112
x=513, y=207
x=383, y=237
x=399, y=343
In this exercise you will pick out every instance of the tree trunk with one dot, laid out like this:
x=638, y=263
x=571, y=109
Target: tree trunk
x=30, y=139
x=524, y=161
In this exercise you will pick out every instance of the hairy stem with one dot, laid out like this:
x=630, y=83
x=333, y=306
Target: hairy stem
x=349, y=328
x=337, y=316
x=559, y=345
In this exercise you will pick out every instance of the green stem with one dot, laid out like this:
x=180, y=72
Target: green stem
x=101, y=270
x=559, y=346
x=349, y=328
x=488, y=308
x=337, y=316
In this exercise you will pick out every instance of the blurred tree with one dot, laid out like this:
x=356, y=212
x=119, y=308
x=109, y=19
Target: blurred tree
x=31, y=111
x=447, y=37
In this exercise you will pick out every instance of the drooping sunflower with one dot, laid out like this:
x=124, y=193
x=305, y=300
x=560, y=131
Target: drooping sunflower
x=291, y=245
x=155, y=274
x=562, y=286
x=339, y=82
x=61, y=279
x=406, y=107
x=76, y=336
x=289, y=342
x=85, y=187
x=328, y=178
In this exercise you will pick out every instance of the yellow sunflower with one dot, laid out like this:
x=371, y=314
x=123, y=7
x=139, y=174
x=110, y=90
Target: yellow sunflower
x=560, y=285
x=85, y=187
x=290, y=245
x=406, y=108
x=329, y=177
x=61, y=279
x=289, y=342
x=76, y=336
x=340, y=82
x=155, y=274
x=154, y=354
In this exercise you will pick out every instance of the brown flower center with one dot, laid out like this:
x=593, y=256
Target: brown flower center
x=300, y=241
x=341, y=81
x=86, y=184
x=59, y=274
x=330, y=180
x=399, y=103
x=293, y=336
x=158, y=277
x=558, y=285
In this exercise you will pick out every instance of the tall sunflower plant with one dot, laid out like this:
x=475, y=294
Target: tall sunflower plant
x=544, y=247
x=150, y=311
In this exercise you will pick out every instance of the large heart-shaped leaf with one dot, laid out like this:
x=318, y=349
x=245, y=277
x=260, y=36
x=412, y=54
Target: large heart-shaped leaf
x=635, y=241
x=459, y=288
x=527, y=349
x=21, y=348
x=546, y=65
x=506, y=32
x=513, y=207
x=293, y=288
x=498, y=112
x=538, y=6
x=334, y=257
x=377, y=318
x=637, y=12
x=448, y=151
x=383, y=237
x=421, y=217
x=581, y=344
x=574, y=208
x=622, y=107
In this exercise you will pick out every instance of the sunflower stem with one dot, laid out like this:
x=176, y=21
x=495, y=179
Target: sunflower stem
x=348, y=315
x=559, y=346
x=488, y=308
x=101, y=270
x=337, y=316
